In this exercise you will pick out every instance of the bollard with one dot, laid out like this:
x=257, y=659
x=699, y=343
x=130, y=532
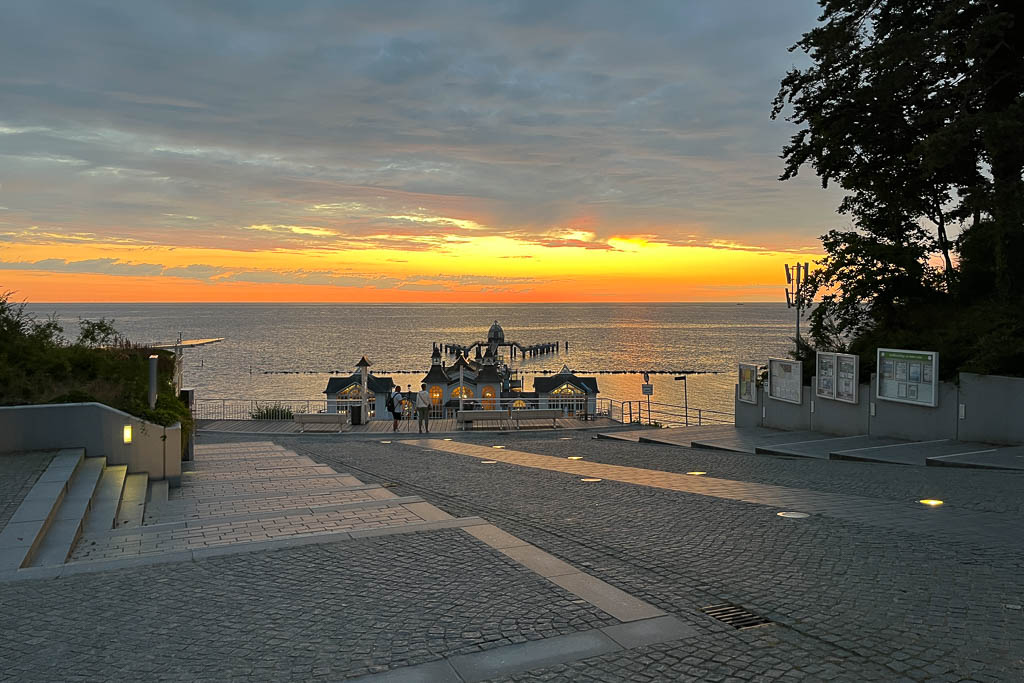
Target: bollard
x=152, y=380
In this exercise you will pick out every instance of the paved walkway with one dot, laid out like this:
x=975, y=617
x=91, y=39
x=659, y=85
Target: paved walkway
x=944, y=521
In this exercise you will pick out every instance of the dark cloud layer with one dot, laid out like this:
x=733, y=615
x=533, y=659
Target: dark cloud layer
x=181, y=122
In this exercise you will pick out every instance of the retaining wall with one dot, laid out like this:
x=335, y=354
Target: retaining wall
x=99, y=429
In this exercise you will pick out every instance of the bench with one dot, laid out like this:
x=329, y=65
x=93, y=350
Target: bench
x=538, y=414
x=464, y=416
x=337, y=419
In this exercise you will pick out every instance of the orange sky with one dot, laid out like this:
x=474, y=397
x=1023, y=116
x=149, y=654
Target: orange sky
x=474, y=269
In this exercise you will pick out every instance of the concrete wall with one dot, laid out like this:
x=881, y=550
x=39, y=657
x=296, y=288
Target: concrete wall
x=993, y=409
x=906, y=421
x=837, y=417
x=98, y=429
x=747, y=414
x=782, y=415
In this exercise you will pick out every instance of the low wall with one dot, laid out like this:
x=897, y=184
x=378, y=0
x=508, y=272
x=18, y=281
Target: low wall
x=919, y=423
x=747, y=414
x=993, y=409
x=783, y=415
x=838, y=417
x=99, y=429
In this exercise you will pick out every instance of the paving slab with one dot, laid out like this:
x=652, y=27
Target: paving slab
x=647, y=631
x=748, y=439
x=823, y=448
x=998, y=458
x=913, y=453
x=480, y=666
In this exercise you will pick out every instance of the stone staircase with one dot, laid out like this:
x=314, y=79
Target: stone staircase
x=74, y=495
x=233, y=498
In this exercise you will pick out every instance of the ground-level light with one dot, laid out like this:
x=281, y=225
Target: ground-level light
x=931, y=502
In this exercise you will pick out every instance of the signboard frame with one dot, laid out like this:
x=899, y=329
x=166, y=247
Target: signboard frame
x=903, y=372
x=773, y=385
x=647, y=389
x=825, y=369
x=854, y=381
x=751, y=383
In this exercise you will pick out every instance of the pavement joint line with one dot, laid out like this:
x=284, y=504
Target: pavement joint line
x=260, y=495
x=957, y=455
x=888, y=514
x=255, y=516
x=319, y=538
x=611, y=600
x=891, y=445
x=262, y=480
x=535, y=654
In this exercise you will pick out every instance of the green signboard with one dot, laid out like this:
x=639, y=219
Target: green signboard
x=908, y=376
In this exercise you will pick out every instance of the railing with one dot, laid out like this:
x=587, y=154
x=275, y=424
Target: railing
x=664, y=414
x=253, y=409
x=627, y=412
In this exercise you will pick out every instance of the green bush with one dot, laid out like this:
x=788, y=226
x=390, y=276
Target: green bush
x=38, y=366
x=272, y=412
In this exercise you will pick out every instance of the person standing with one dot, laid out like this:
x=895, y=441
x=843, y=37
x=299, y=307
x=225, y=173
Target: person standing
x=394, y=406
x=423, y=409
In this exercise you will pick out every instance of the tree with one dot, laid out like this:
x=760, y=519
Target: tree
x=916, y=109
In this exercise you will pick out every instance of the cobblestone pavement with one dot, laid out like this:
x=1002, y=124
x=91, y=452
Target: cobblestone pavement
x=852, y=601
x=18, y=473
x=316, y=612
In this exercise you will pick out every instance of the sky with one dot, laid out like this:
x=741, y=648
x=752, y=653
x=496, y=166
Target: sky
x=401, y=151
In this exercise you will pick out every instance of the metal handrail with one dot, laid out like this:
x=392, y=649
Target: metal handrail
x=627, y=412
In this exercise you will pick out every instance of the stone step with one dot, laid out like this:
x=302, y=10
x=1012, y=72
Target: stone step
x=194, y=510
x=133, y=501
x=170, y=537
x=237, y=447
x=209, y=476
x=25, y=531
x=204, y=465
x=68, y=519
x=238, y=487
x=103, y=513
x=257, y=456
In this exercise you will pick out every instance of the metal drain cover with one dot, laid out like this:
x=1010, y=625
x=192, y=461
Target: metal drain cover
x=735, y=616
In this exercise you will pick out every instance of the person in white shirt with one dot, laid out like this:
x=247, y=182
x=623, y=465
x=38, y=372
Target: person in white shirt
x=423, y=409
x=395, y=406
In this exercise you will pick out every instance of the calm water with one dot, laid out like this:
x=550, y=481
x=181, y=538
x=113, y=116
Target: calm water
x=289, y=350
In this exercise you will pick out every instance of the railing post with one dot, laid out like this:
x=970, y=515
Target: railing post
x=699, y=416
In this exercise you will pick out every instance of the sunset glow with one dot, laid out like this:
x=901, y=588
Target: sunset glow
x=354, y=155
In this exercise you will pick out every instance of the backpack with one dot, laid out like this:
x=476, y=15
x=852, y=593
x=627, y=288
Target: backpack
x=389, y=403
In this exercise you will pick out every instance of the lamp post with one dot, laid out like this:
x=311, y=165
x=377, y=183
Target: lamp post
x=793, y=281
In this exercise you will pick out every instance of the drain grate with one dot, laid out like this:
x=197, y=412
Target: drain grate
x=735, y=616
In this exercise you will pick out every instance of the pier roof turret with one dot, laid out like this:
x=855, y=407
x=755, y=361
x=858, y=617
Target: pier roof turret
x=495, y=335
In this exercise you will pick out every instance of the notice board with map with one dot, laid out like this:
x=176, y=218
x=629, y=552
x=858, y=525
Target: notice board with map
x=748, y=383
x=785, y=380
x=908, y=376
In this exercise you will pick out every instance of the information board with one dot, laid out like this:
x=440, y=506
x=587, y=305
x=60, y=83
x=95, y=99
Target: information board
x=748, y=383
x=908, y=376
x=647, y=389
x=785, y=380
x=847, y=377
x=825, y=372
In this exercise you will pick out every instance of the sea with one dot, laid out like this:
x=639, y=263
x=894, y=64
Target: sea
x=289, y=351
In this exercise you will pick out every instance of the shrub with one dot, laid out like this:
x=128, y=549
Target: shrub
x=272, y=412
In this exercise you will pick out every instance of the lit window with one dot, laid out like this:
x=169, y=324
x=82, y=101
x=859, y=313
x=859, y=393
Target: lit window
x=436, y=395
x=462, y=392
x=488, y=395
x=567, y=389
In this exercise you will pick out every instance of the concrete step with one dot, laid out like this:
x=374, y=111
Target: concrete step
x=204, y=465
x=107, y=500
x=66, y=526
x=21, y=538
x=133, y=501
